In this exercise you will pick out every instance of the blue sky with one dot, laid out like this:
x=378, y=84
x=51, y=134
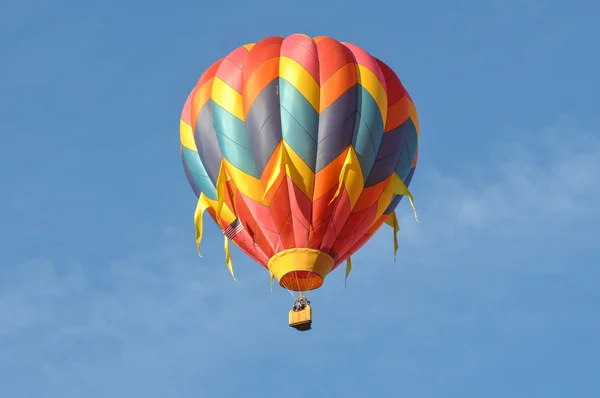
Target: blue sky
x=494, y=292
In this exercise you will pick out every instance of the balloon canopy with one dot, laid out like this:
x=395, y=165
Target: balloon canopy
x=300, y=149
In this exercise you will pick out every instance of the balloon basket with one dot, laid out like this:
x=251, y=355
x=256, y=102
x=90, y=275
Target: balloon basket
x=301, y=320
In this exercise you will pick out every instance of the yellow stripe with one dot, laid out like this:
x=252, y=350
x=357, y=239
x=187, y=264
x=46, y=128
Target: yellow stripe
x=246, y=184
x=296, y=169
x=186, y=136
x=201, y=96
x=299, y=172
x=200, y=208
x=348, y=268
x=351, y=177
x=394, y=187
x=389, y=220
x=228, y=257
x=227, y=214
x=397, y=187
x=386, y=197
x=396, y=229
x=225, y=96
x=354, y=178
x=412, y=113
x=249, y=46
x=384, y=201
x=297, y=76
x=275, y=170
x=371, y=83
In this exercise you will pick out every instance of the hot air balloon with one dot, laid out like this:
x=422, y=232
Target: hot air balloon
x=300, y=149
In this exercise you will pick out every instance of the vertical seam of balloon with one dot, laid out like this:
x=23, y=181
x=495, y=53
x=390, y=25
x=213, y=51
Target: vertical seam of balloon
x=258, y=226
x=314, y=168
x=337, y=199
x=289, y=182
x=319, y=110
x=201, y=149
x=357, y=117
x=285, y=165
x=348, y=252
x=186, y=168
x=316, y=140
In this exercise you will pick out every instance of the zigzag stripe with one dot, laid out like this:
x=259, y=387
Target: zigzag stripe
x=303, y=50
x=299, y=123
x=233, y=140
x=227, y=97
x=230, y=70
x=207, y=143
x=295, y=74
x=202, y=91
x=263, y=126
x=389, y=157
x=330, y=107
x=193, y=166
x=369, y=134
x=197, y=174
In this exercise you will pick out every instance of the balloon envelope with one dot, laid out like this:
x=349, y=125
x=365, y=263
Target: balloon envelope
x=299, y=148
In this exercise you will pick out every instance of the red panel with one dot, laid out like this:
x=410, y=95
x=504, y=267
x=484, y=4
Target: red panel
x=365, y=59
x=262, y=51
x=339, y=245
x=301, y=233
x=360, y=242
x=317, y=234
x=395, y=89
x=341, y=211
x=280, y=206
x=230, y=70
x=246, y=244
x=303, y=50
x=329, y=238
x=332, y=56
x=356, y=219
x=287, y=235
x=261, y=213
x=209, y=73
x=360, y=229
x=256, y=232
x=301, y=206
x=274, y=242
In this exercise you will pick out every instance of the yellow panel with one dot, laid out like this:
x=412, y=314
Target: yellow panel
x=201, y=96
x=227, y=214
x=371, y=83
x=297, y=76
x=225, y=96
x=412, y=113
x=354, y=182
x=186, y=136
x=245, y=183
x=386, y=197
x=394, y=187
x=299, y=172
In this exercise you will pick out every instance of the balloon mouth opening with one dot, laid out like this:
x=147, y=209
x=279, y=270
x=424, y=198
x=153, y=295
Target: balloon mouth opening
x=301, y=281
x=300, y=269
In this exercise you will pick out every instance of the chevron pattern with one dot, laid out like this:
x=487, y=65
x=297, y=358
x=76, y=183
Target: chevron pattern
x=288, y=122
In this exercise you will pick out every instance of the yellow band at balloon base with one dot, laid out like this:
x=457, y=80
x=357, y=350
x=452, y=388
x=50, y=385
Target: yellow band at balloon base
x=301, y=269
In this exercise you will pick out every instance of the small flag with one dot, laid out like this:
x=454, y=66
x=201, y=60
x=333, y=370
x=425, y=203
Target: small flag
x=233, y=229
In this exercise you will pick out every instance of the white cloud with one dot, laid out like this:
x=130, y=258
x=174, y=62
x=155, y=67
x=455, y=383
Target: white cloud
x=555, y=178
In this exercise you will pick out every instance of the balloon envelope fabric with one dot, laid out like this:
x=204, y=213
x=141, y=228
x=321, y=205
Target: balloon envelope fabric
x=300, y=149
